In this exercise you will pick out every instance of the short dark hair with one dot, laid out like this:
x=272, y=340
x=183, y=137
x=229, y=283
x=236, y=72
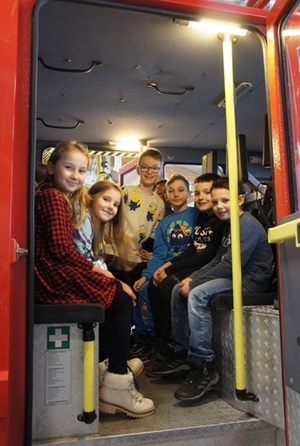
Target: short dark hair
x=223, y=183
x=177, y=176
x=154, y=153
x=158, y=182
x=206, y=178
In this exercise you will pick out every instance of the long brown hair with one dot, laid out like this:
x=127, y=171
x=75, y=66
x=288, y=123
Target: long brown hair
x=111, y=232
x=77, y=200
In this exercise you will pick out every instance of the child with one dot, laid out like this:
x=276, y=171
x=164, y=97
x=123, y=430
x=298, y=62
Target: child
x=207, y=239
x=160, y=190
x=62, y=275
x=173, y=235
x=191, y=317
x=143, y=211
x=103, y=223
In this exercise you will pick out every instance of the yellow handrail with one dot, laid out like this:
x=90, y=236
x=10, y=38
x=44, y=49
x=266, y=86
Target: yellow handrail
x=286, y=231
x=88, y=336
x=234, y=218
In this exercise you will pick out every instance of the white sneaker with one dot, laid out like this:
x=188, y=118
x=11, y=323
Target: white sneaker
x=119, y=394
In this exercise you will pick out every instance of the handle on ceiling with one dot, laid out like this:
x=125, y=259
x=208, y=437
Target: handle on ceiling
x=61, y=127
x=71, y=70
x=154, y=85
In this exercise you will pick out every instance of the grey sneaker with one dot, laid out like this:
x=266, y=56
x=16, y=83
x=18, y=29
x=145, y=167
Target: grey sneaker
x=201, y=377
x=172, y=362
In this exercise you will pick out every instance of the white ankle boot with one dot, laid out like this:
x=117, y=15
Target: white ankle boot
x=135, y=365
x=119, y=394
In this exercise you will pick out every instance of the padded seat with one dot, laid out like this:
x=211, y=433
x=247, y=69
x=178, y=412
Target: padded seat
x=225, y=301
x=68, y=313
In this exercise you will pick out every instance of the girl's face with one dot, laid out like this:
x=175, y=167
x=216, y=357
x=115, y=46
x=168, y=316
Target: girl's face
x=106, y=206
x=69, y=171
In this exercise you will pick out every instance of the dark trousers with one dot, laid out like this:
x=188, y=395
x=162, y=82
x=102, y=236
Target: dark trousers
x=160, y=298
x=114, y=333
x=128, y=277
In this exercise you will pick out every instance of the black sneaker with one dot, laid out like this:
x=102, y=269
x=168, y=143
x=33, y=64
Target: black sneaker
x=158, y=353
x=140, y=347
x=201, y=378
x=172, y=362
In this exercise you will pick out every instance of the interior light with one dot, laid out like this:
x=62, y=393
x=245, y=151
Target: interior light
x=291, y=32
x=213, y=27
x=128, y=146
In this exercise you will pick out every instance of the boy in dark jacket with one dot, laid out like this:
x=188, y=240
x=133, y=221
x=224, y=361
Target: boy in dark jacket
x=191, y=315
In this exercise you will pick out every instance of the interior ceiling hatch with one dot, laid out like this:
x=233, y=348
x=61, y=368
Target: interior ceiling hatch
x=124, y=51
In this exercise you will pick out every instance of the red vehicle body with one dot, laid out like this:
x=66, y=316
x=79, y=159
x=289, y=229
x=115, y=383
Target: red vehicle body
x=17, y=184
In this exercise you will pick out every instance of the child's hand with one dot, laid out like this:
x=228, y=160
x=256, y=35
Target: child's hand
x=184, y=286
x=137, y=285
x=158, y=278
x=145, y=255
x=129, y=291
x=162, y=268
x=160, y=274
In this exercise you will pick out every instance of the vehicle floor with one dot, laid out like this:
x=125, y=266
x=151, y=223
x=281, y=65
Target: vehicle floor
x=178, y=422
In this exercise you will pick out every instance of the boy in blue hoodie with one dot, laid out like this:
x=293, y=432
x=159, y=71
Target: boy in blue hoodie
x=191, y=315
x=173, y=236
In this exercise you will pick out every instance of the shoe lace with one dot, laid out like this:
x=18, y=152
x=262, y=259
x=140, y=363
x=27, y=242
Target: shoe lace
x=194, y=378
x=137, y=396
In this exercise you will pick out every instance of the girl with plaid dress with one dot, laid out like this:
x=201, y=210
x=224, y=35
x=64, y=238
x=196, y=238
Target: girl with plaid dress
x=62, y=275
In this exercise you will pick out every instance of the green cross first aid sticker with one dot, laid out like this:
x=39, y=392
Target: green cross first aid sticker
x=58, y=338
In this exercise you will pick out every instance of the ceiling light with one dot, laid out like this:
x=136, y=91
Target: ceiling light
x=129, y=146
x=242, y=88
x=215, y=27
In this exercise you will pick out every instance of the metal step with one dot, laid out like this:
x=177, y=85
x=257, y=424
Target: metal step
x=207, y=422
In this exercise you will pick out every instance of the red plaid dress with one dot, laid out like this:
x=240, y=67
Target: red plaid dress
x=62, y=275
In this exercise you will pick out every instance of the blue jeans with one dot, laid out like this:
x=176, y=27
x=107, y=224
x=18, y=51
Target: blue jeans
x=142, y=313
x=191, y=318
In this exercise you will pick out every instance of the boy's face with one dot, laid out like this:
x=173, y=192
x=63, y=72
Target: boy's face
x=160, y=190
x=148, y=170
x=178, y=195
x=221, y=203
x=203, y=197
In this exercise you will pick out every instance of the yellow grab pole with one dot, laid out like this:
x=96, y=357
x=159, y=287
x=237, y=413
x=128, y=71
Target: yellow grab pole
x=88, y=336
x=88, y=374
x=234, y=211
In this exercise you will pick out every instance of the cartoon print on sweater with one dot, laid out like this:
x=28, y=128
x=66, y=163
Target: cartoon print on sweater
x=142, y=232
x=151, y=211
x=135, y=201
x=125, y=195
x=180, y=235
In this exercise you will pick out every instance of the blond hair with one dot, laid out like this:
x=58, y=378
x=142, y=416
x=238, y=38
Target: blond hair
x=111, y=232
x=77, y=200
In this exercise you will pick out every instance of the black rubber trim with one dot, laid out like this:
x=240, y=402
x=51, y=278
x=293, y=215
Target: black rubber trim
x=68, y=313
